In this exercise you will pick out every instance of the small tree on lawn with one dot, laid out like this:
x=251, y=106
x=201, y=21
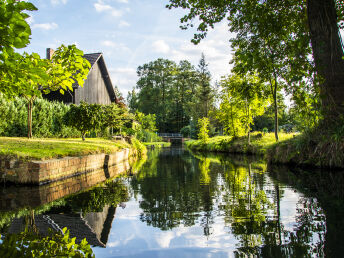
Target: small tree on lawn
x=203, y=124
x=85, y=117
x=113, y=117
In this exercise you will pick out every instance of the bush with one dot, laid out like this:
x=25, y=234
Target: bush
x=48, y=118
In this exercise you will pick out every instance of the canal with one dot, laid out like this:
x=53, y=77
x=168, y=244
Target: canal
x=182, y=204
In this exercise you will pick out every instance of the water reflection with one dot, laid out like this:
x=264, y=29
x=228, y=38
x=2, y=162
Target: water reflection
x=179, y=203
x=264, y=216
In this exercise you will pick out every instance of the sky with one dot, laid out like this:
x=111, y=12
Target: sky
x=129, y=33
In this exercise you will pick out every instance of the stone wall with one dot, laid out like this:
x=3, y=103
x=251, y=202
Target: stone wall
x=47, y=171
x=15, y=198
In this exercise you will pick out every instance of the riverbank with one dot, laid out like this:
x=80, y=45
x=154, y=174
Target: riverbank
x=40, y=161
x=311, y=149
x=49, y=148
x=315, y=148
x=157, y=144
x=260, y=143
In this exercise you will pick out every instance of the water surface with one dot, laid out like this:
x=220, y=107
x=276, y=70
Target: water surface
x=179, y=204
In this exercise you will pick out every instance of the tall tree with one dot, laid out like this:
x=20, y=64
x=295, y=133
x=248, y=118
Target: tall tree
x=244, y=98
x=155, y=82
x=322, y=31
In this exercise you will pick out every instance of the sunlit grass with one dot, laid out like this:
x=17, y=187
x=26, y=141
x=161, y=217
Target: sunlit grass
x=260, y=143
x=47, y=148
x=158, y=144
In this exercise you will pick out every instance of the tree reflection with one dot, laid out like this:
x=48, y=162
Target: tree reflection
x=187, y=190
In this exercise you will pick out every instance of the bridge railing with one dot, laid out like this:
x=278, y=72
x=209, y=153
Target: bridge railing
x=170, y=135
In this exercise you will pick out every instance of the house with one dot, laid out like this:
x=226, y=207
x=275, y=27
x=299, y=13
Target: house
x=97, y=87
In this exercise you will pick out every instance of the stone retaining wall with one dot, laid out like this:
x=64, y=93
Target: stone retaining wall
x=41, y=172
x=15, y=198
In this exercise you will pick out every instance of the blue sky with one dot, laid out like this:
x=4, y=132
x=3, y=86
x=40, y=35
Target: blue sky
x=128, y=32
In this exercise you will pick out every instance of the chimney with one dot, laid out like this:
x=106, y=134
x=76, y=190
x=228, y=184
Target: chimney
x=50, y=53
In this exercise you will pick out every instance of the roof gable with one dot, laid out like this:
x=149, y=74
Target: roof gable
x=95, y=58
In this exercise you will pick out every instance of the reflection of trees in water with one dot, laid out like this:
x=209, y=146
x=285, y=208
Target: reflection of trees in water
x=182, y=190
x=30, y=243
x=88, y=214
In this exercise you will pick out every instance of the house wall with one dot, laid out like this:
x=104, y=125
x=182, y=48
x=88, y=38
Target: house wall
x=94, y=89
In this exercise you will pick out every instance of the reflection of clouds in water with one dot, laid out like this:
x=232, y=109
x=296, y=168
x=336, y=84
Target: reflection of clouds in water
x=288, y=206
x=132, y=237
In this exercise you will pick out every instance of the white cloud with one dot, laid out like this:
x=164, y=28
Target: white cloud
x=56, y=2
x=117, y=46
x=215, y=47
x=45, y=26
x=160, y=46
x=123, y=24
x=100, y=6
x=123, y=1
x=125, y=78
x=108, y=43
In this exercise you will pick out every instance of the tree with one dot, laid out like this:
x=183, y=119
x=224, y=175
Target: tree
x=155, y=82
x=244, y=99
x=113, y=117
x=205, y=93
x=35, y=75
x=203, y=124
x=85, y=117
x=322, y=31
x=28, y=75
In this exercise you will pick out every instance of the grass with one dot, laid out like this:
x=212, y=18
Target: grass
x=260, y=143
x=317, y=147
x=157, y=144
x=42, y=149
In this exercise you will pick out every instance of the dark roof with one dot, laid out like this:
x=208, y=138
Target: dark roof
x=99, y=58
x=92, y=58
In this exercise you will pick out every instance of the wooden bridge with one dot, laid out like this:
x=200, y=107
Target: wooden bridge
x=173, y=138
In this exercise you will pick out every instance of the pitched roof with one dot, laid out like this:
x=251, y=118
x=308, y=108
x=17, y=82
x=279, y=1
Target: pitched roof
x=94, y=58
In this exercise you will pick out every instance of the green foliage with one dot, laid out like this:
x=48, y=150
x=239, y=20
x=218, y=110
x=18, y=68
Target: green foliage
x=113, y=116
x=260, y=143
x=146, y=128
x=138, y=147
x=203, y=124
x=29, y=75
x=188, y=131
x=242, y=99
x=48, y=118
x=85, y=117
x=175, y=93
x=110, y=193
x=28, y=244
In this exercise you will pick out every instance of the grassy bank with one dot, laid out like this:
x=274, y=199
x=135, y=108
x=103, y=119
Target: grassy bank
x=42, y=149
x=260, y=143
x=316, y=148
x=157, y=144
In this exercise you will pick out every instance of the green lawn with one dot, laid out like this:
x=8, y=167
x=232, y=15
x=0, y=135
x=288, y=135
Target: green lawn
x=260, y=143
x=48, y=148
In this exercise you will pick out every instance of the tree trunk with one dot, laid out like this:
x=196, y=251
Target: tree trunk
x=29, y=118
x=275, y=105
x=83, y=135
x=327, y=52
x=276, y=116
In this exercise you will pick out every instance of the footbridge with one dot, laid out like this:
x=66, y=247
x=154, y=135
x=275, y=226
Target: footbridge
x=173, y=138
